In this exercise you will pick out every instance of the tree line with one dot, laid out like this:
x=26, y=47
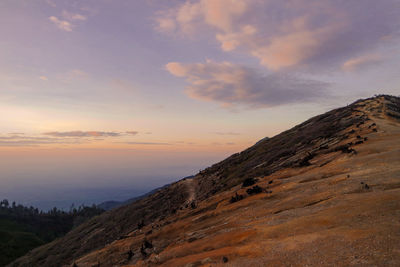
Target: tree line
x=47, y=225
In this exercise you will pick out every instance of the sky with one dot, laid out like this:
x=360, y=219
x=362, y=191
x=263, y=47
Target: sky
x=104, y=99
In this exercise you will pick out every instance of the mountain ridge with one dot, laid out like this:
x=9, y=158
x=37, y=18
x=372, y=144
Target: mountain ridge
x=336, y=137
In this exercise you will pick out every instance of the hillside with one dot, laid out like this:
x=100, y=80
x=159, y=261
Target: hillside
x=108, y=205
x=326, y=192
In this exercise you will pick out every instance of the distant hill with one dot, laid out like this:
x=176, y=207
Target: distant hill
x=324, y=193
x=108, y=205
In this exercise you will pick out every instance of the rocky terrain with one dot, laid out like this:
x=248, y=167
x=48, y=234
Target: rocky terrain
x=324, y=193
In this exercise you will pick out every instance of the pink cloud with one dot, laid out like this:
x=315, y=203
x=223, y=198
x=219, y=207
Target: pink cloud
x=61, y=24
x=290, y=34
x=361, y=61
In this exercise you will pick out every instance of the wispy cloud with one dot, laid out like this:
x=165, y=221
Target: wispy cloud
x=73, y=75
x=226, y=133
x=73, y=16
x=68, y=137
x=69, y=21
x=23, y=140
x=123, y=85
x=51, y=3
x=221, y=144
x=62, y=24
x=78, y=73
x=362, y=61
x=145, y=143
x=231, y=84
x=23, y=137
x=83, y=134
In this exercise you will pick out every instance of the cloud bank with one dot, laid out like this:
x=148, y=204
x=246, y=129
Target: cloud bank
x=290, y=39
x=82, y=134
x=21, y=140
x=231, y=84
x=289, y=34
x=69, y=138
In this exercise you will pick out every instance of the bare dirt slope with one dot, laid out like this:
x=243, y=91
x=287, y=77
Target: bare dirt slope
x=329, y=197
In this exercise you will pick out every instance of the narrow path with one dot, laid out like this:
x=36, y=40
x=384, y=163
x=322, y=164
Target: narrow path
x=191, y=187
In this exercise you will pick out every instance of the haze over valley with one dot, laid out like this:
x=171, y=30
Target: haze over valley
x=199, y=133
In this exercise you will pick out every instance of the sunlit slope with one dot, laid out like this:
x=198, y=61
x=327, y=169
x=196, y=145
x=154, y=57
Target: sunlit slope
x=329, y=196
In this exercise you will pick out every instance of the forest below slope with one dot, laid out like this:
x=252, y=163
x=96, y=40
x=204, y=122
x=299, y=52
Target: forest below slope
x=24, y=228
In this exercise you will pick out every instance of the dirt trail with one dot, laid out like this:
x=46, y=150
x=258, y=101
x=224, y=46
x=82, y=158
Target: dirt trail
x=191, y=187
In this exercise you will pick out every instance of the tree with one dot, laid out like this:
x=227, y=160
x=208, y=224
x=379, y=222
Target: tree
x=4, y=203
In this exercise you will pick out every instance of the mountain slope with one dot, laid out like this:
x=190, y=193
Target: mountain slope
x=329, y=195
x=108, y=205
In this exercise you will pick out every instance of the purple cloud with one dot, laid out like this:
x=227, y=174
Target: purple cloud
x=231, y=84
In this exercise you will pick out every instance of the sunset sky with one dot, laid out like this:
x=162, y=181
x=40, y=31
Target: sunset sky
x=119, y=97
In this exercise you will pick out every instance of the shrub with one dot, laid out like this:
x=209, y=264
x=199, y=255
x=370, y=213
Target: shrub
x=130, y=254
x=140, y=224
x=254, y=190
x=147, y=244
x=236, y=198
x=249, y=182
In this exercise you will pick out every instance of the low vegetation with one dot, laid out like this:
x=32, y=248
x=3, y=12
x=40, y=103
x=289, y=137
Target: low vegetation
x=254, y=190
